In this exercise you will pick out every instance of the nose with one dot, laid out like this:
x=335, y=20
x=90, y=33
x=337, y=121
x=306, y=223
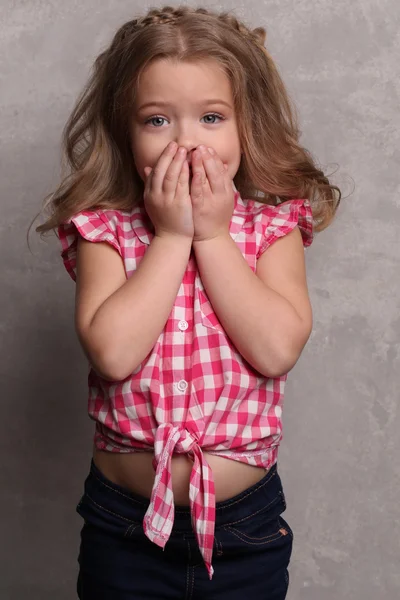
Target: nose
x=190, y=149
x=185, y=138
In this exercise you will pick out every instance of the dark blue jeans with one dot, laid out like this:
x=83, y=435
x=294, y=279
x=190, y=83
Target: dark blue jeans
x=252, y=547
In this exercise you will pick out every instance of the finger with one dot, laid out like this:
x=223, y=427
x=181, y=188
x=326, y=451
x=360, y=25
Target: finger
x=199, y=176
x=214, y=169
x=199, y=180
x=198, y=167
x=162, y=165
x=183, y=180
x=221, y=166
x=173, y=172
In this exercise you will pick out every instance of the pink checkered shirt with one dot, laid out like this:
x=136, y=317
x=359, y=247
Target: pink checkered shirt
x=194, y=391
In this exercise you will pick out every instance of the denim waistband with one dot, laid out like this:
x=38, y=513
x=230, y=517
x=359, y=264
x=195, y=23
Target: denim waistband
x=262, y=496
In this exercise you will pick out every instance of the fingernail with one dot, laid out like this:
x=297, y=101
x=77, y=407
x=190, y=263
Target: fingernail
x=202, y=149
x=211, y=151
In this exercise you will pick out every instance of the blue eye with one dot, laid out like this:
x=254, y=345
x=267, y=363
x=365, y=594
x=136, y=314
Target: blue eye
x=214, y=116
x=153, y=120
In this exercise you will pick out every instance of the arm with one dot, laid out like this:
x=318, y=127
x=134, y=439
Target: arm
x=266, y=314
x=118, y=321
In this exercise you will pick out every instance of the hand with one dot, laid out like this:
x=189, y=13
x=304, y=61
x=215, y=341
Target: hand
x=166, y=194
x=212, y=195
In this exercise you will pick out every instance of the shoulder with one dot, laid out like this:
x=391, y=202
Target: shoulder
x=125, y=230
x=92, y=226
x=277, y=221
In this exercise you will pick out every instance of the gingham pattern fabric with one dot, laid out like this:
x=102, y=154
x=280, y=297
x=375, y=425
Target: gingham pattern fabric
x=194, y=391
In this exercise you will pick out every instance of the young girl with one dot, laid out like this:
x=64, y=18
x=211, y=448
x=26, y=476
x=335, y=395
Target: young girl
x=183, y=222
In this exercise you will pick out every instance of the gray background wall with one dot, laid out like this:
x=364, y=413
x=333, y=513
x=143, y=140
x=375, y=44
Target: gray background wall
x=340, y=457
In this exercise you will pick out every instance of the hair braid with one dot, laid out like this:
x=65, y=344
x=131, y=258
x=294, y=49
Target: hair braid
x=257, y=35
x=169, y=14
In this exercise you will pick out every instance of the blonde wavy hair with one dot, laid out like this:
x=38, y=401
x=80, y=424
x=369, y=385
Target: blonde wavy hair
x=95, y=141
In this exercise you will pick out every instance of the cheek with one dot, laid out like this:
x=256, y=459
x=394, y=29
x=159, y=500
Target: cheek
x=139, y=165
x=137, y=155
x=231, y=154
x=141, y=159
x=233, y=164
x=146, y=153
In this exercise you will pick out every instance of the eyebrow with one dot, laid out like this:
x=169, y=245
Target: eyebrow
x=201, y=103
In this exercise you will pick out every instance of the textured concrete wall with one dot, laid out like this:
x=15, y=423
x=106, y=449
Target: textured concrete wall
x=340, y=457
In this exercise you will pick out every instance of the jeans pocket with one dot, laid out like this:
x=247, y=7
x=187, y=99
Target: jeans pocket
x=261, y=536
x=263, y=528
x=103, y=515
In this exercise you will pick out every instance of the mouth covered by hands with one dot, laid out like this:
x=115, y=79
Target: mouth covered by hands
x=198, y=206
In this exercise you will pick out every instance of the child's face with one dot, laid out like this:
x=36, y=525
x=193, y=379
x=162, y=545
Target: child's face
x=186, y=117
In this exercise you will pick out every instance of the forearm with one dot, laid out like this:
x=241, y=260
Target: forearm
x=259, y=321
x=129, y=322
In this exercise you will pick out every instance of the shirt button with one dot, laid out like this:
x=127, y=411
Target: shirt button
x=183, y=325
x=182, y=385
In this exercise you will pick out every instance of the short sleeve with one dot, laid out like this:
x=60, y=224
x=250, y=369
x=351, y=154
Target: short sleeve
x=89, y=225
x=282, y=219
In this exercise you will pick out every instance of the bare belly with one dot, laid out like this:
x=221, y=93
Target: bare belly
x=135, y=472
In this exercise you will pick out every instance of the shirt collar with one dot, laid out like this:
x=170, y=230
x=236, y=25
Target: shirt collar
x=142, y=226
